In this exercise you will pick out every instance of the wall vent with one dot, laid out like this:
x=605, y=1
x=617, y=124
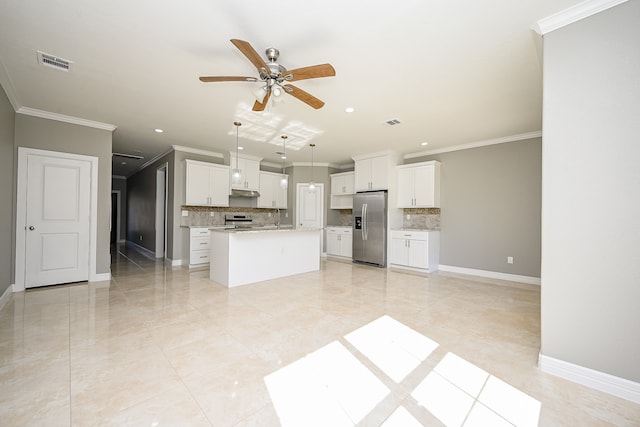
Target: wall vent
x=54, y=62
x=392, y=122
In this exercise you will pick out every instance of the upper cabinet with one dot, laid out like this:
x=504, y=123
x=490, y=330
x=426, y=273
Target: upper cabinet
x=250, y=168
x=342, y=185
x=272, y=195
x=419, y=185
x=207, y=184
x=372, y=173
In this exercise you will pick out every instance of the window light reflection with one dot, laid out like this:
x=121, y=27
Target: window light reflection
x=393, y=347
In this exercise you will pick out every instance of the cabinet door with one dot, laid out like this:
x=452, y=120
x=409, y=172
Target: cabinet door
x=280, y=194
x=399, y=251
x=424, y=186
x=333, y=243
x=346, y=245
x=219, y=185
x=418, y=254
x=405, y=187
x=362, y=177
x=380, y=173
x=336, y=184
x=348, y=183
x=197, y=185
x=251, y=174
x=266, y=191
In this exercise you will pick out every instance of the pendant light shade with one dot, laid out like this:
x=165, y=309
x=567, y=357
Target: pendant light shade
x=284, y=181
x=312, y=185
x=236, y=173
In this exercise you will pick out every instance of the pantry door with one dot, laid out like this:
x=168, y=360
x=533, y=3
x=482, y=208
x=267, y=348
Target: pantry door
x=57, y=220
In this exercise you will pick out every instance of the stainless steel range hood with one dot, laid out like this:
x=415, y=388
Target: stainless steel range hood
x=244, y=193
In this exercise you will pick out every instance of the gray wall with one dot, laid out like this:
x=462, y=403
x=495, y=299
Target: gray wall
x=44, y=134
x=591, y=186
x=141, y=205
x=7, y=194
x=490, y=207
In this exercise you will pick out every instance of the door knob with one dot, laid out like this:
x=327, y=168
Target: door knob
x=31, y=227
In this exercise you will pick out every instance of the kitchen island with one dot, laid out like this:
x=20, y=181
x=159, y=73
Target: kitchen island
x=240, y=257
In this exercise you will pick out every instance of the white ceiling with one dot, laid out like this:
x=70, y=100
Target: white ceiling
x=452, y=72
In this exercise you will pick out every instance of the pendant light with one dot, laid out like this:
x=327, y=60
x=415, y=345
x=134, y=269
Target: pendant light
x=312, y=185
x=236, y=174
x=284, y=182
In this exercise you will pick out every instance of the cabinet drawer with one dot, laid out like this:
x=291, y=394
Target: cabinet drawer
x=199, y=232
x=411, y=235
x=199, y=256
x=200, y=243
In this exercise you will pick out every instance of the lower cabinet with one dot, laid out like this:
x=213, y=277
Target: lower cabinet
x=417, y=250
x=199, y=247
x=339, y=242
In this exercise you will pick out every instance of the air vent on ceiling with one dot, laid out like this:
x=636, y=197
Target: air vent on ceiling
x=54, y=62
x=392, y=122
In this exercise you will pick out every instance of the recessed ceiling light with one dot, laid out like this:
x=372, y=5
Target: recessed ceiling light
x=158, y=130
x=349, y=109
x=240, y=148
x=424, y=143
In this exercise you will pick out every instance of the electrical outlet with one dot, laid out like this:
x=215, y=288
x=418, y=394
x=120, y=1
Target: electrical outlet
x=140, y=238
x=408, y=216
x=212, y=214
x=286, y=214
x=185, y=213
x=509, y=260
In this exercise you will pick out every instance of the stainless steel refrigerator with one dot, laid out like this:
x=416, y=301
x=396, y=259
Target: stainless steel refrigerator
x=370, y=228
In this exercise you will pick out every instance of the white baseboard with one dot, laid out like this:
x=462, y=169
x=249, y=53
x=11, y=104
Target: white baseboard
x=174, y=262
x=5, y=296
x=100, y=277
x=601, y=381
x=491, y=274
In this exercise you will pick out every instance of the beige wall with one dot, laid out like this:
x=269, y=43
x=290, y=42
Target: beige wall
x=44, y=134
x=591, y=186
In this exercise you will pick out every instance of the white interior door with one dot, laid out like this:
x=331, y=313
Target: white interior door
x=58, y=216
x=309, y=209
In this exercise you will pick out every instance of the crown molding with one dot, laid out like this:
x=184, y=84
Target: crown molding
x=504, y=139
x=191, y=150
x=315, y=164
x=66, y=119
x=573, y=14
x=6, y=84
x=369, y=155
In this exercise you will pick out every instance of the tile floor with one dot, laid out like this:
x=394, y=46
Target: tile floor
x=348, y=345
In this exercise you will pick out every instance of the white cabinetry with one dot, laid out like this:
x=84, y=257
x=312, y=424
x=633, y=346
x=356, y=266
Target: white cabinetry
x=419, y=185
x=272, y=195
x=250, y=168
x=415, y=250
x=339, y=242
x=207, y=184
x=199, y=247
x=372, y=173
x=342, y=185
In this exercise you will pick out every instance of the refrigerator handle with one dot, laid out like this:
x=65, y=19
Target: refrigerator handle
x=364, y=221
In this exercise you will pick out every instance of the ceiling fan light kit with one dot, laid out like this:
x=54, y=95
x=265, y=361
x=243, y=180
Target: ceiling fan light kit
x=275, y=77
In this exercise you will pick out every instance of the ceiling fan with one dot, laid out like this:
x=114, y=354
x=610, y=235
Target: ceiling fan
x=275, y=77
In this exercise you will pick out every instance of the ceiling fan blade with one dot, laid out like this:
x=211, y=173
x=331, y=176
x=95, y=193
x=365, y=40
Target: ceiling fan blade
x=208, y=79
x=311, y=72
x=303, y=96
x=251, y=54
x=257, y=106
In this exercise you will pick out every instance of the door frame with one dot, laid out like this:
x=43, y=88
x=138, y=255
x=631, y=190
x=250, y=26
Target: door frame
x=162, y=179
x=21, y=210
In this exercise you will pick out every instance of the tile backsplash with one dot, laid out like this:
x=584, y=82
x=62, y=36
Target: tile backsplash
x=214, y=216
x=421, y=218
